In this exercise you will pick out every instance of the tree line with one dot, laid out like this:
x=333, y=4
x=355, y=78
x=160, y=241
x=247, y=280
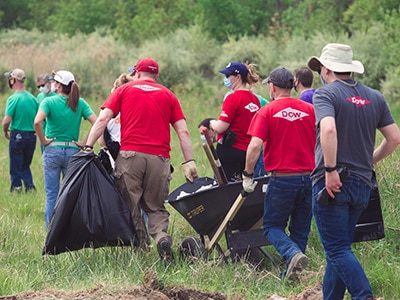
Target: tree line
x=138, y=20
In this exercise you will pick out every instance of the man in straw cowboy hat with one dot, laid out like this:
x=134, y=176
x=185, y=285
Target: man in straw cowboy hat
x=347, y=116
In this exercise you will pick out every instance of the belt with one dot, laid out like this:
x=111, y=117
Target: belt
x=63, y=144
x=287, y=174
x=21, y=131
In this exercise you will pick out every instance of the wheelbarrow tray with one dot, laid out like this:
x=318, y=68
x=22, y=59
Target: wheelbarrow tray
x=204, y=204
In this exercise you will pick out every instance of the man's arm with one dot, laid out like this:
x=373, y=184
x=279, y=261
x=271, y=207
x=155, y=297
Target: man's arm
x=182, y=131
x=328, y=138
x=6, y=125
x=189, y=166
x=92, y=119
x=252, y=154
x=389, y=143
x=99, y=125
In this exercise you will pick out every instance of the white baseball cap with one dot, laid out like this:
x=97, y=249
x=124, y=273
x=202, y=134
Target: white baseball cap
x=64, y=77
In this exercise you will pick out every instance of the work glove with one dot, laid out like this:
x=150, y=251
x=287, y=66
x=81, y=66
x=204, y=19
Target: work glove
x=248, y=184
x=190, y=170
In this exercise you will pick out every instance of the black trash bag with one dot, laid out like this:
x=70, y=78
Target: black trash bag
x=105, y=160
x=89, y=212
x=370, y=224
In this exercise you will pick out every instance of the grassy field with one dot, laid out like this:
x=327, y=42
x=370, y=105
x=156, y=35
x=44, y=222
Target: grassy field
x=22, y=236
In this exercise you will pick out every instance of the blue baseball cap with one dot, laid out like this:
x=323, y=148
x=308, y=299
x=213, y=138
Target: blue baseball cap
x=234, y=68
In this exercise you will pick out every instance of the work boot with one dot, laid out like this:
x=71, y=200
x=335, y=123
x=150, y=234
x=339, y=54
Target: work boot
x=297, y=264
x=164, y=250
x=17, y=189
x=31, y=188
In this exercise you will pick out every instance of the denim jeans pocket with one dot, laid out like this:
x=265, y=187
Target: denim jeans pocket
x=282, y=199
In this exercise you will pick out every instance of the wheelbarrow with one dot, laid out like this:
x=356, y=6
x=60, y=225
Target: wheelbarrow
x=215, y=210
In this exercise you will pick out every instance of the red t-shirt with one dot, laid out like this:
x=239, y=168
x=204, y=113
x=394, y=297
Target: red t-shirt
x=238, y=109
x=147, y=109
x=287, y=127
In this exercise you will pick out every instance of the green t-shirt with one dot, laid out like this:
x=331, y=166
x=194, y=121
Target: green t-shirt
x=22, y=108
x=262, y=100
x=39, y=98
x=61, y=122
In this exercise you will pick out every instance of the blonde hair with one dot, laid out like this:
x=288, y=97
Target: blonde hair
x=252, y=77
x=122, y=79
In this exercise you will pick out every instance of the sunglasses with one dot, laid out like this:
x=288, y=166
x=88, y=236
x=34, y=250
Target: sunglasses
x=39, y=86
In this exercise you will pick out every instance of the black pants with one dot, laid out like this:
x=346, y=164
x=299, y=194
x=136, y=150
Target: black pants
x=233, y=161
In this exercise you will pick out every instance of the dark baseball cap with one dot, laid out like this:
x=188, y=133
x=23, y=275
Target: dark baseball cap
x=281, y=77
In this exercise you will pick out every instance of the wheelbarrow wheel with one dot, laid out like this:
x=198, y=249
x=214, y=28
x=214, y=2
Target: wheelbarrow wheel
x=193, y=249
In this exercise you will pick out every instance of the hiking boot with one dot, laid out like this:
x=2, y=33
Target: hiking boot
x=17, y=189
x=297, y=264
x=164, y=250
x=30, y=189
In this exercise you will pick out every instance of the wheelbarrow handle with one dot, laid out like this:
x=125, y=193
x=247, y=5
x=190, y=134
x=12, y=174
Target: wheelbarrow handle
x=229, y=217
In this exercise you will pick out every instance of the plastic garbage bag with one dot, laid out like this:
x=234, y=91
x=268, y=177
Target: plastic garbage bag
x=370, y=224
x=89, y=211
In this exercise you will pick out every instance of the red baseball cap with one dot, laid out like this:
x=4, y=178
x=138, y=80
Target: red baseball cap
x=146, y=64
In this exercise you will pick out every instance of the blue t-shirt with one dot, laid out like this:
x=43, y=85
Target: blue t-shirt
x=307, y=96
x=358, y=111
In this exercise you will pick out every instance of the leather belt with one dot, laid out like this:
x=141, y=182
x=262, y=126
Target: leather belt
x=63, y=144
x=287, y=174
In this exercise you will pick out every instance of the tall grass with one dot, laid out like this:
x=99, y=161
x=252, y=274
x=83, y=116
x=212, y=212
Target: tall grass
x=96, y=61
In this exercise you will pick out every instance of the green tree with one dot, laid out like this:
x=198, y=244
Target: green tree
x=73, y=16
x=313, y=16
x=15, y=14
x=124, y=14
x=226, y=18
x=40, y=11
x=360, y=13
x=154, y=18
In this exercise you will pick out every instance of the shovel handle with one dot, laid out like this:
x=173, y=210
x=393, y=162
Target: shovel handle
x=214, y=153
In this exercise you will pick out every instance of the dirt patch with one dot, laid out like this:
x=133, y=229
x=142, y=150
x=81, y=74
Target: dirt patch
x=137, y=293
x=310, y=293
x=151, y=291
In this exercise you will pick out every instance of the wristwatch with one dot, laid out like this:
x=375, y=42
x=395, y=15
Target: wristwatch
x=87, y=148
x=247, y=174
x=331, y=169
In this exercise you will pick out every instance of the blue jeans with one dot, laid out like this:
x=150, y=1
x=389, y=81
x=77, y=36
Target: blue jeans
x=336, y=225
x=21, y=150
x=55, y=162
x=288, y=198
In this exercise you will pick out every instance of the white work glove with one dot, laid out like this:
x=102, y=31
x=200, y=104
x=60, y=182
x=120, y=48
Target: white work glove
x=190, y=170
x=248, y=184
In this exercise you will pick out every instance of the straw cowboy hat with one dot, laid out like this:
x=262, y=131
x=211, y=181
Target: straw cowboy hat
x=337, y=58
